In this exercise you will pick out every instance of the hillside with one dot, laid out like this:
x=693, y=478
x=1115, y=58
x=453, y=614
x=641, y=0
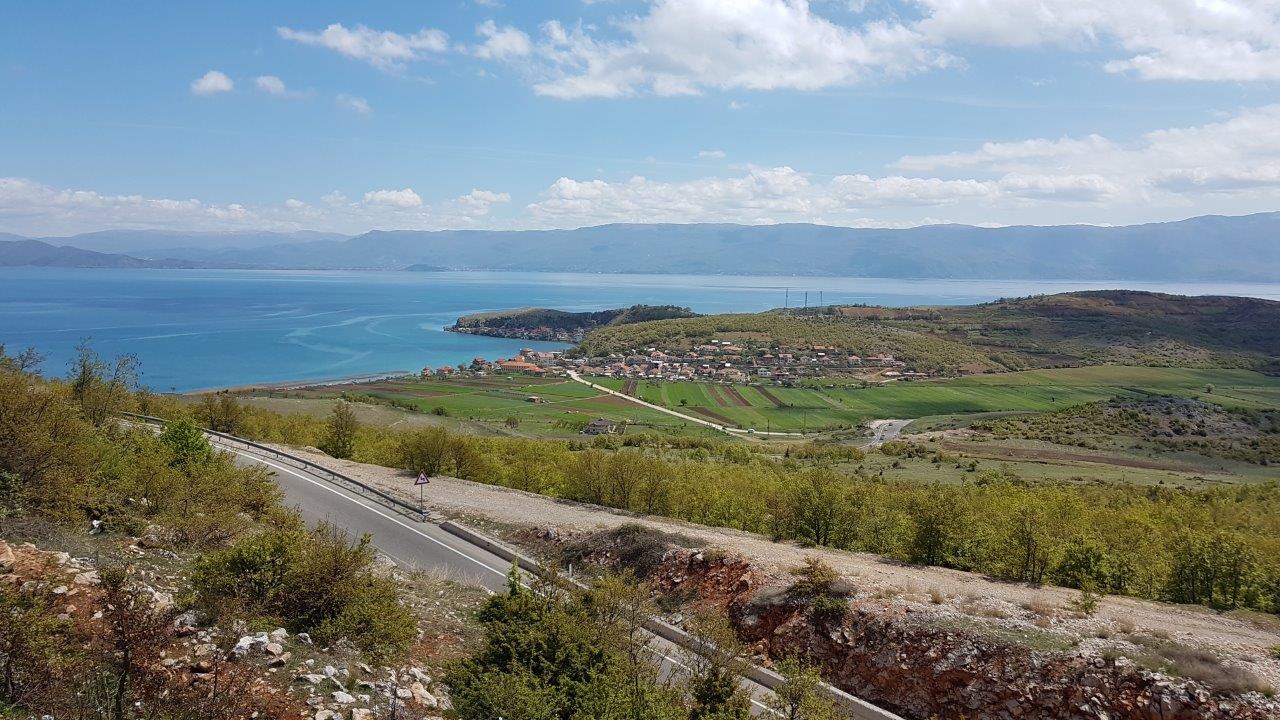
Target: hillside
x=20, y=253
x=1084, y=328
x=1204, y=248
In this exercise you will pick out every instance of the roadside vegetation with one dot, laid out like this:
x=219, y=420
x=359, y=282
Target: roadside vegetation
x=97, y=637
x=1213, y=545
x=554, y=652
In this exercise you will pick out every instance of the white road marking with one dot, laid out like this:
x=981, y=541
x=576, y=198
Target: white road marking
x=348, y=498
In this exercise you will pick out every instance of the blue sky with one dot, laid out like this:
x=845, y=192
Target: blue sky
x=450, y=114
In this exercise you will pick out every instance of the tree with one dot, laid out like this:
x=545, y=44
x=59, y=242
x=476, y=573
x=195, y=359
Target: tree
x=820, y=506
x=101, y=387
x=426, y=450
x=132, y=642
x=187, y=443
x=800, y=696
x=340, y=431
x=714, y=686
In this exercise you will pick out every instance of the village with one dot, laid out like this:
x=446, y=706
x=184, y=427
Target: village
x=725, y=361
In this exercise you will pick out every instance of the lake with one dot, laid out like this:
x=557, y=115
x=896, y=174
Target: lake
x=214, y=328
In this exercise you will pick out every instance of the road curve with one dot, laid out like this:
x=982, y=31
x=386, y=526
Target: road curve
x=421, y=545
x=682, y=416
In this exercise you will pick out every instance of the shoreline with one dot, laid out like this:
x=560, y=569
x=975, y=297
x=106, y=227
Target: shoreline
x=298, y=384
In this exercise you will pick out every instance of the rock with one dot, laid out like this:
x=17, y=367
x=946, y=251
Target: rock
x=7, y=558
x=327, y=715
x=279, y=660
x=342, y=697
x=311, y=678
x=304, y=638
x=420, y=676
x=422, y=697
x=273, y=649
x=361, y=714
x=202, y=666
x=95, y=527
x=278, y=635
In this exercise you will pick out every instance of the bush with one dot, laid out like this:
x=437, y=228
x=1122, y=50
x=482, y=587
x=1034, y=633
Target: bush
x=814, y=578
x=318, y=581
x=828, y=610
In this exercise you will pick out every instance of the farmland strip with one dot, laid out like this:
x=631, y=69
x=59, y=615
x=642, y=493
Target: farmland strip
x=770, y=397
x=714, y=391
x=708, y=412
x=736, y=396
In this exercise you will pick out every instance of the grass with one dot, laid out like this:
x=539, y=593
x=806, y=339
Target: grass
x=831, y=408
x=486, y=403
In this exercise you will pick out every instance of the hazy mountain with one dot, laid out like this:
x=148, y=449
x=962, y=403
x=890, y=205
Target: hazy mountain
x=1245, y=248
x=1203, y=248
x=24, y=252
x=167, y=243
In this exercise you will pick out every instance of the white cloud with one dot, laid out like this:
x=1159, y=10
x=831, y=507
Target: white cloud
x=211, y=83
x=1233, y=165
x=31, y=208
x=711, y=154
x=353, y=103
x=683, y=47
x=271, y=85
x=1230, y=166
x=385, y=50
x=405, y=198
x=1159, y=39
x=502, y=43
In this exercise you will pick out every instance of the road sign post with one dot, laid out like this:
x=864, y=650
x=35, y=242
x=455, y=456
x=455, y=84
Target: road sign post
x=420, y=482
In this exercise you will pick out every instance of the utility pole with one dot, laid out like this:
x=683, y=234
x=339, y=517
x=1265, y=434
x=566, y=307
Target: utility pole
x=786, y=298
x=806, y=299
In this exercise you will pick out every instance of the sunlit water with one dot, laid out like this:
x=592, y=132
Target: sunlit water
x=211, y=328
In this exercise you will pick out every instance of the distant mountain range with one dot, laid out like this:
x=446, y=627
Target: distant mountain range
x=1243, y=248
x=34, y=253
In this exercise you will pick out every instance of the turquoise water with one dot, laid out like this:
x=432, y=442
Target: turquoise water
x=210, y=328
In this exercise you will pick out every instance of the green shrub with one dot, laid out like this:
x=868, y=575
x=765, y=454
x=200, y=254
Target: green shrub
x=318, y=581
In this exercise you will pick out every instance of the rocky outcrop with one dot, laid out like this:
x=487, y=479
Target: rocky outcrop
x=904, y=660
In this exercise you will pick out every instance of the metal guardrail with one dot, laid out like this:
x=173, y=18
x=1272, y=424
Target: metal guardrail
x=350, y=483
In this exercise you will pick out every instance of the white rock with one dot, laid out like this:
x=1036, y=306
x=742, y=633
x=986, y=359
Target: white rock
x=273, y=648
x=361, y=714
x=422, y=697
x=327, y=715
x=342, y=697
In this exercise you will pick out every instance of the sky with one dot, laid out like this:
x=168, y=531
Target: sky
x=516, y=114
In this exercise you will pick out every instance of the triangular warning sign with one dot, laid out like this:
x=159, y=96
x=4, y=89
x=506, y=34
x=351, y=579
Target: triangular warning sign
x=422, y=479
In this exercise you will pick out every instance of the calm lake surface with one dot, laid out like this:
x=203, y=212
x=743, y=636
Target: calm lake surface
x=212, y=328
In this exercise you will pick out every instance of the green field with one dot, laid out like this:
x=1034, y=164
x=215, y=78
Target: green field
x=492, y=400
x=1030, y=391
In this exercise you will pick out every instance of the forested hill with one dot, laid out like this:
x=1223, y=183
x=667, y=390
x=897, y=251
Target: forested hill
x=521, y=321
x=1083, y=328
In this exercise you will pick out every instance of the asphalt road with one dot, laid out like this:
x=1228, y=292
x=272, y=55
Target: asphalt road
x=421, y=545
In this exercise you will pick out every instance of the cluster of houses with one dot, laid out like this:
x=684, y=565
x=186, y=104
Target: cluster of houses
x=528, y=361
x=715, y=361
x=734, y=362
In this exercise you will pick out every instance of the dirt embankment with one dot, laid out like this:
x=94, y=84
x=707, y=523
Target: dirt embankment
x=893, y=653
